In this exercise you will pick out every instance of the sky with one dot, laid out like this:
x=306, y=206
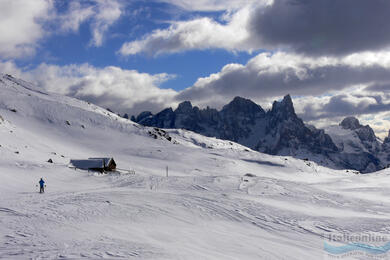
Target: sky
x=331, y=56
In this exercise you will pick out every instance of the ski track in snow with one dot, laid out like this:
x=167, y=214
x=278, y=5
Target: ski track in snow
x=126, y=219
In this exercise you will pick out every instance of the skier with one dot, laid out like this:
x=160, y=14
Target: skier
x=41, y=186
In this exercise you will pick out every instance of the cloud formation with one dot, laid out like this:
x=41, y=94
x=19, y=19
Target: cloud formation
x=370, y=107
x=201, y=33
x=106, y=14
x=316, y=28
x=343, y=104
x=76, y=14
x=209, y=5
x=124, y=91
x=21, y=26
x=323, y=27
x=271, y=75
x=101, y=14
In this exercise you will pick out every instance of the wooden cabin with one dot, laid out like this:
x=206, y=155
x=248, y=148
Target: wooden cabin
x=109, y=163
x=95, y=164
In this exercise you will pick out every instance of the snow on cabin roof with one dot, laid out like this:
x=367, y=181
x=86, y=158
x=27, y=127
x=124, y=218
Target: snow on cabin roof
x=106, y=159
x=88, y=164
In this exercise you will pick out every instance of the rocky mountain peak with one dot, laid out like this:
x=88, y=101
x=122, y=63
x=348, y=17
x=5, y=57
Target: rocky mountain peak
x=351, y=123
x=184, y=107
x=287, y=100
x=143, y=115
x=283, y=109
x=365, y=133
x=242, y=105
x=285, y=104
x=387, y=139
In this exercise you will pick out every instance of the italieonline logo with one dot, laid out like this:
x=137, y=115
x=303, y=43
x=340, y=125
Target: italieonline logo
x=346, y=244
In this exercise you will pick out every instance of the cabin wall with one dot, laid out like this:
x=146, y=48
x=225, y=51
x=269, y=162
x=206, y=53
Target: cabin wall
x=111, y=166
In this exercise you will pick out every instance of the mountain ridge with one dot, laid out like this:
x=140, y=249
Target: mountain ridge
x=278, y=131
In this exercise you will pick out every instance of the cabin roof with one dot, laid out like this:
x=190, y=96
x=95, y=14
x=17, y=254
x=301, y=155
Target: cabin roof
x=107, y=160
x=88, y=164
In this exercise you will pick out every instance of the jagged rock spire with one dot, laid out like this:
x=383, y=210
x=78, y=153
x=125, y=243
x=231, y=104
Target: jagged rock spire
x=184, y=107
x=283, y=109
x=242, y=105
x=387, y=139
x=351, y=123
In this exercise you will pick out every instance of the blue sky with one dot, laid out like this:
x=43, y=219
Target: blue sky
x=332, y=56
x=138, y=19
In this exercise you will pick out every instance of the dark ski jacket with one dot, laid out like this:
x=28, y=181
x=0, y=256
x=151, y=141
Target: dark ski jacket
x=41, y=182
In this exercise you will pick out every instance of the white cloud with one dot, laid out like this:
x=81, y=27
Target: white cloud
x=269, y=76
x=75, y=16
x=371, y=109
x=101, y=14
x=24, y=23
x=107, y=13
x=317, y=28
x=21, y=26
x=201, y=33
x=9, y=67
x=379, y=122
x=125, y=91
x=119, y=89
x=210, y=5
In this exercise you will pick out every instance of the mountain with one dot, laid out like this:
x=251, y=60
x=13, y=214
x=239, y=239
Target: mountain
x=279, y=131
x=358, y=146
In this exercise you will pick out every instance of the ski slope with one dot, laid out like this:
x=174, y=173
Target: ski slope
x=220, y=200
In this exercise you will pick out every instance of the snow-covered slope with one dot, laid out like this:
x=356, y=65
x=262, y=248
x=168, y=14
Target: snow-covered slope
x=220, y=200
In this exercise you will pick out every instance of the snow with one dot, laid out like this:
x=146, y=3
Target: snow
x=87, y=164
x=345, y=139
x=220, y=200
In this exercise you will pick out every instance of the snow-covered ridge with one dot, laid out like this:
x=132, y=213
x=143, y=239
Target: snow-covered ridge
x=29, y=101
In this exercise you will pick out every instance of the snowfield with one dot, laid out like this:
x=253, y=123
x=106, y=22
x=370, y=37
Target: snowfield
x=220, y=200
